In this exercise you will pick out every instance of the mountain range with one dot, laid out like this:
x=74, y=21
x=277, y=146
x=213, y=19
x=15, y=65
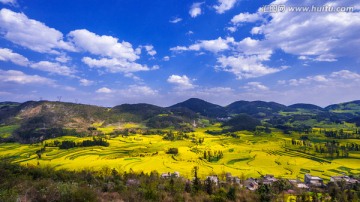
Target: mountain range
x=35, y=120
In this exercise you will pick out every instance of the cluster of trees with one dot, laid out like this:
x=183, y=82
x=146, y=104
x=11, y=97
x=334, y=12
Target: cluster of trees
x=331, y=148
x=40, y=152
x=335, y=148
x=213, y=156
x=67, y=144
x=173, y=151
x=341, y=134
x=175, y=136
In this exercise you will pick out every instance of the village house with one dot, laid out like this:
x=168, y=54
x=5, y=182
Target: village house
x=313, y=181
x=251, y=184
x=231, y=179
x=348, y=180
x=214, y=179
x=269, y=179
x=176, y=174
x=298, y=184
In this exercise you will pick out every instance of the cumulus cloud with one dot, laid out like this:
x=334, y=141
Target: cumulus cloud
x=115, y=56
x=255, y=86
x=215, y=45
x=32, y=34
x=115, y=65
x=139, y=90
x=19, y=77
x=85, y=82
x=245, y=66
x=246, y=17
x=9, y=2
x=224, y=5
x=195, y=9
x=104, y=90
x=181, y=82
x=175, y=20
x=166, y=58
x=245, y=60
x=104, y=45
x=132, y=91
x=338, y=78
x=150, y=50
x=9, y=55
x=319, y=36
x=63, y=58
x=53, y=67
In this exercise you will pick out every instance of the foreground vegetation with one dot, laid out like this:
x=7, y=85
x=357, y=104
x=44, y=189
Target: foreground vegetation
x=36, y=183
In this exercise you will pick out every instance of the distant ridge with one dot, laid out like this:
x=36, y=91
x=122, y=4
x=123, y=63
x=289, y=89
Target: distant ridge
x=36, y=120
x=306, y=106
x=202, y=107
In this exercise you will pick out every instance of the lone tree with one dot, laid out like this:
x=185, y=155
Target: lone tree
x=196, y=181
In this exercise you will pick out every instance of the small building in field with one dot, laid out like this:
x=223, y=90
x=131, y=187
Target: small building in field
x=269, y=179
x=214, y=179
x=348, y=180
x=314, y=181
x=167, y=175
x=251, y=184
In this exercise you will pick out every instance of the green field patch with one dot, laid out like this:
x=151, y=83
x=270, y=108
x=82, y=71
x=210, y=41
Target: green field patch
x=233, y=161
x=304, y=170
x=336, y=171
x=317, y=170
x=129, y=159
x=345, y=168
x=6, y=131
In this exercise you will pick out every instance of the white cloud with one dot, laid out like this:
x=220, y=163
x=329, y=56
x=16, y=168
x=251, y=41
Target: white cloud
x=182, y=82
x=104, y=90
x=32, y=34
x=214, y=46
x=150, y=50
x=195, y=9
x=346, y=74
x=53, y=67
x=21, y=78
x=246, y=17
x=231, y=29
x=131, y=91
x=115, y=56
x=104, y=45
x=333, y=88
x=85, y=82
x=245, y=66
x=9, y=55
x=175, y=20
x=139, y=90
x=115, y=65
x=322, y=36
x=9, y=2
x=189, y=32
x=246, y=57
x=166, y=58
x=63, y=58
x=339, y=78
x=224, y=5
x=255, y=86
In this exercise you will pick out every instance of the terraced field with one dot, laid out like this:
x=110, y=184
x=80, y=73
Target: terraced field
x=248, y=155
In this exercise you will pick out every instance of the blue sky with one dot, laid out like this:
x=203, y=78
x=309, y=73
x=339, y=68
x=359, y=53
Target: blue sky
x=163, y=52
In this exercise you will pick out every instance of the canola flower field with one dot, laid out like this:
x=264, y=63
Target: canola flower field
x=246, y=156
